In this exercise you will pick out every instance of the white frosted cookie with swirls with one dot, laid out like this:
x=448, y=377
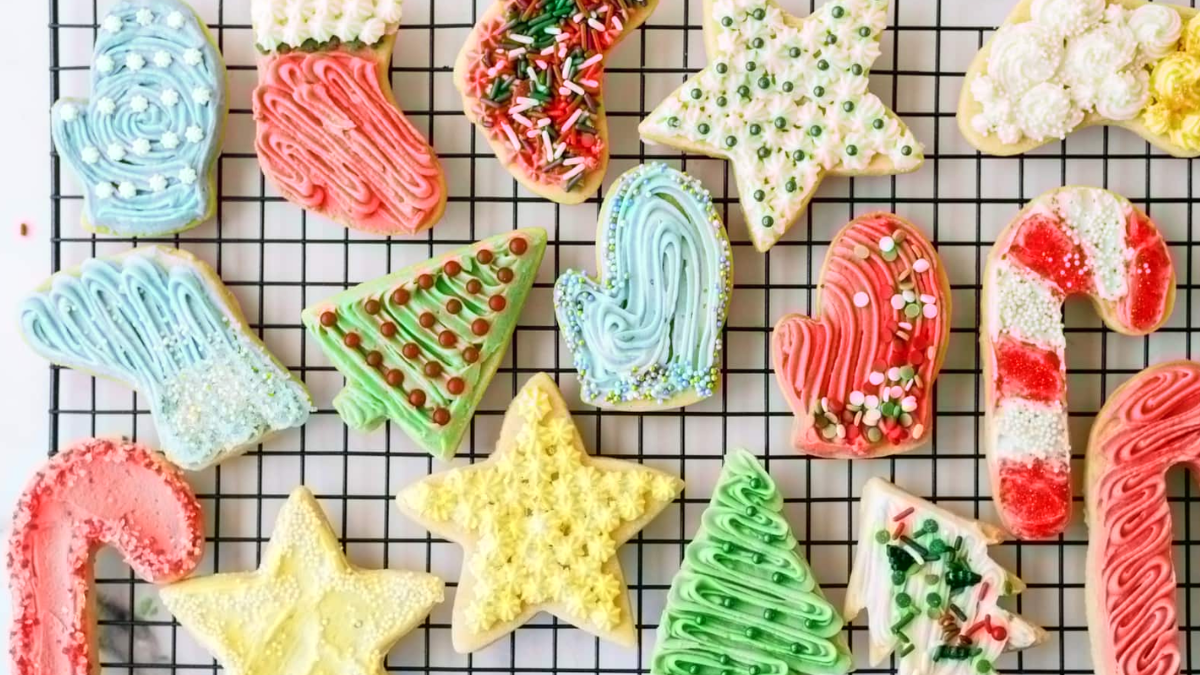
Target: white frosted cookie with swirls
x=1056, y=66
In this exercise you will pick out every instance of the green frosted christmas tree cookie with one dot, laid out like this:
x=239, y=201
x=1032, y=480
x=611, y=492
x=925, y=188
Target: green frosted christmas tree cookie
x=419, y=346
x=745, y=600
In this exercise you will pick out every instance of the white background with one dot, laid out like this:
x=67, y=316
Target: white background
x=355, y=474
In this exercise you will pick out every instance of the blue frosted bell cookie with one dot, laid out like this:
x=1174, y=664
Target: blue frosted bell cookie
x=159, y=320
x=144, y=146
x=647, y=334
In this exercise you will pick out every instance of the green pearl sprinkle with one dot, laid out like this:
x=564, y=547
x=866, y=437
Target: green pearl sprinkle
x=814, y=130
x=795, y=52
x=750, y=66
x=768, y=221
x=777, y=578
x=838, y=12
x=751, y=512
x=673, y=122
x=769, y=614
x=932, y=579
x=692, y=668
x=764, y=82
x=791, y=185
x=818, y=91
x=764, y=152
x=788, y=87
x=822, y=65
x=933, y=600
x=696, y=94
x=864, y=32
x=848, y=106
x=878, y=124
x=797, y=648
x=753, y=670
x=906, y=150
x=757, y=43
x=751, y=632
x=722, y=68
x=755, y=129
x=856, y=69
x=831, y=39
x=903, y=600
x=727, y=547
x=724, y=659
x=780, y=123
x=852, y=150
x=703, y=128
x=798, y=156
x=881, y=537
x=722, y=101
x=756, y=483
x=727, y=21
x=897, y=577
x=743, y=91
x=759, y=14
x=730, y=141
x=983, y=666
x=757, y=558
x=727, y=602
x=759, y=195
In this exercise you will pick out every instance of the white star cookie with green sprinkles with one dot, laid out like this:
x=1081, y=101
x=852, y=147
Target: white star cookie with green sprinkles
x=785, y=99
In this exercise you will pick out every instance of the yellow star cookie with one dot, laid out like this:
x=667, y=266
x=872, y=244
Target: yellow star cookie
x=306, y=610
x=540, y=522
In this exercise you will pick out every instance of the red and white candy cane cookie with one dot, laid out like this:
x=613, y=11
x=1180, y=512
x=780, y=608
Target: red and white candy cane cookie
x=1069, y=241
x=1149, y=425
x=95, y=492
x=859, y=378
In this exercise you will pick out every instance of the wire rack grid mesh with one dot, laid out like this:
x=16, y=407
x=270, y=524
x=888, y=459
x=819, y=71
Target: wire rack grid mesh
x=276, y=259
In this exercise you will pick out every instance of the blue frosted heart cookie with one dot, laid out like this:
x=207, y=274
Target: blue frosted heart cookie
x=160, y=321
x=145, y=146
x=647, y=335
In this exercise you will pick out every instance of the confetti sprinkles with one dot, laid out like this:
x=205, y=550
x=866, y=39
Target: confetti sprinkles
x=531, y=76
x=878, y=400
x=923, y=576
x=1069, y=241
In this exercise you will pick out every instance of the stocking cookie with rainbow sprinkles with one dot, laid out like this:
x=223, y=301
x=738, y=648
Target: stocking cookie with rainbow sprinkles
x=1070, y=241
x=859, y=375
x=145, y=145
x=540, y=522
x=1149, y=426
x=329, y=136
x=1056, y=66
x=531, y=75
x=931, y=590
x=785, y=99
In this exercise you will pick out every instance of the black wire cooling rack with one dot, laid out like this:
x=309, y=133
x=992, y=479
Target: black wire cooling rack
x=276, y=259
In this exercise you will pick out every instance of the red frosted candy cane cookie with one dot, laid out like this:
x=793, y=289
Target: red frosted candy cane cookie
x=96, y=492
x=1149, y=425
x=859, y=378
x=1069, y=241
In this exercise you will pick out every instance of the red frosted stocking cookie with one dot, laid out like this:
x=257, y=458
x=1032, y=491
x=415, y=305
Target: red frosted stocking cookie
x=96, y=492
x=532, y=79
x=1149, y=425
x=859, y=378
x=329, y=135
x=1069, y=241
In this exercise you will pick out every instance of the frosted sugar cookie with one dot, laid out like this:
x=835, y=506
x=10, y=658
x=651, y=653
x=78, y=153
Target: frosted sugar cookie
x=531, y=75
x=1148, y=426
x=745, y=599
x=647, y=334
x=930, y=588
x=419, y=346
x=305, y=610
x=1060, y=65
x=785, y=99
x=1069, y=241
x=145, y=146
x=160, y=320
x=329, y=135
x=540, y=523
x=94, y=493
x=859, y=377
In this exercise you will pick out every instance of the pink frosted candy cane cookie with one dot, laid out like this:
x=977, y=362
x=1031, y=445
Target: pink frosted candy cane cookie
x=94, y=493
x=1070, y=241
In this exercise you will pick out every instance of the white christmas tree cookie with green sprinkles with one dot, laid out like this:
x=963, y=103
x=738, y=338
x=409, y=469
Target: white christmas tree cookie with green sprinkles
x=785, y=99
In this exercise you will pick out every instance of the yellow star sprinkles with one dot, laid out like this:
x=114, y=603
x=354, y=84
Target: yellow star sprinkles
x=306, y=610
x=785, y=99
x=540, y=522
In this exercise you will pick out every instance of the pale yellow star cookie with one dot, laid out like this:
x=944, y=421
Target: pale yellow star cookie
x=540, y=523
x=306, y=610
